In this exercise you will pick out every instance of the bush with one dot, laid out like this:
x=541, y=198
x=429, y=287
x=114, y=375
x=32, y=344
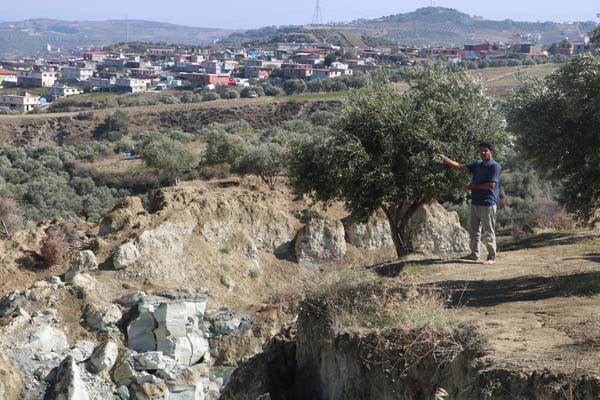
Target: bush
x=292, y=86
x=59, y=241
x=230, y=94
x=9, y=219
x=271, y=90
x=169, y=157
x=117, y=122
x=210, y=96
x=168, y=99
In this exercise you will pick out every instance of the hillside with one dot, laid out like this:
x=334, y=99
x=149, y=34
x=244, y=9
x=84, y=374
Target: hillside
x=32, y=36
x=435, y=26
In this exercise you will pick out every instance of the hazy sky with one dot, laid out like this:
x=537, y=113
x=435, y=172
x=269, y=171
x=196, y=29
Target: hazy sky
x=251, y=14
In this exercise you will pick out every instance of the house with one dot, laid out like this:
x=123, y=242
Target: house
x=325, y=73
x=210, y=79
x=99, y=84
x=95, y=55
x=565, y=47
x=55, y=92
x=212, y=67
x=77, y=74
x=296, y=71
x=529, y=51
x=255, y=72
x=36, y=78
x=131, y=85
x=343, y=68
x=22, y=102
x=7, y=77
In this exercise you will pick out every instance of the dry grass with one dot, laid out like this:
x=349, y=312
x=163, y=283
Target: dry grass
x=405, y=325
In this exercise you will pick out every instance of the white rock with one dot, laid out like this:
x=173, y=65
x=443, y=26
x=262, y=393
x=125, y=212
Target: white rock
x=102, y=318
x=85, y=261
x=125, y=255
x=47, y=339
x=373, y=234
x=173, y=327
x=434, y=230
x=67, y=383
x=103, y=358
x=320, y=240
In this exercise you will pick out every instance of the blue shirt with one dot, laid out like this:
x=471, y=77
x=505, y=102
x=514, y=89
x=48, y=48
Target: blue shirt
x=484, y=173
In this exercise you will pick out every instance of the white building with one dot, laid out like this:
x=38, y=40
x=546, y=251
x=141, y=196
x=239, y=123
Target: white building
x=77, y=74
x=36, y=78
x=54, y=92
x=24, y=102
x=7, y=76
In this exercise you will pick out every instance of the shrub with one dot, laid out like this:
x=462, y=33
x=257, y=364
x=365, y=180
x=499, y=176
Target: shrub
x=210, y=96
x=230, y=94
x=292, y=86
x=169, y=157
x=60, y=239
x=168, y=99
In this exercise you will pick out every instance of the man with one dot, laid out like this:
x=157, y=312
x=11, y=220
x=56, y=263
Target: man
x=485, y=188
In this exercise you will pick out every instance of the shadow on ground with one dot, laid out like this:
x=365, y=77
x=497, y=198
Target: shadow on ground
x=523, y=288
x=486, y=293
x=545, y=239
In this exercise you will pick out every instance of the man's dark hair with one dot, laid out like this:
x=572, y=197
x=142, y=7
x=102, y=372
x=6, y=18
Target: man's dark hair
x=486, y=145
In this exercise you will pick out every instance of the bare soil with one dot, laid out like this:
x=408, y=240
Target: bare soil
x=537, y=306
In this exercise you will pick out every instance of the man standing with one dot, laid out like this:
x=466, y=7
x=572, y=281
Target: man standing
x=485, y=188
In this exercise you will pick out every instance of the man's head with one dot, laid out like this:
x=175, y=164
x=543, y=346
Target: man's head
x=485, y=151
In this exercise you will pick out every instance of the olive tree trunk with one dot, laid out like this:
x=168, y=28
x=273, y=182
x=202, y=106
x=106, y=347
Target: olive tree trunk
x=398, y=216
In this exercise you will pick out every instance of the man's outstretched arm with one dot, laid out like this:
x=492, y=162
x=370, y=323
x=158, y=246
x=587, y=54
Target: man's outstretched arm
x=482, y=186
x=453, y=164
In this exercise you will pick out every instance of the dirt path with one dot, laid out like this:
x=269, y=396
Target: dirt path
x=539, y=305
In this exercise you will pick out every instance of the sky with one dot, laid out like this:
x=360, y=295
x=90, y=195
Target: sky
x=241, y=14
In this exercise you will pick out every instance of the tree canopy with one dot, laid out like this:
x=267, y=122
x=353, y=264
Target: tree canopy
x=557, y=122
x=170, y=157
x=383, y=153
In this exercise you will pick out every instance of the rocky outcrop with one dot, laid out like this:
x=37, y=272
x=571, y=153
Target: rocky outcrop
x=173, y=327
x=434, y=230
x=372, y=234
x=85, y=261
x=124, y=215
x=319, y=241
x=159, y=246
x=102, y=317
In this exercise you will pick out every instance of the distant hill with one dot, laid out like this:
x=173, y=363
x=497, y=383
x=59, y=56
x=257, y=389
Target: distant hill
x=435, y=26
x=32, y=36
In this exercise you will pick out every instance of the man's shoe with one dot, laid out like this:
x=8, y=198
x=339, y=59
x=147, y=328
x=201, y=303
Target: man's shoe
x=470, y=257
x=490, y=261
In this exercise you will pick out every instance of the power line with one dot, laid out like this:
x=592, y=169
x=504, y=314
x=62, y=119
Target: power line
x=317, y=18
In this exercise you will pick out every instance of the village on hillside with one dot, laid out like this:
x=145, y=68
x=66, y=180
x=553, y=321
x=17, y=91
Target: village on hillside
x=31, y=84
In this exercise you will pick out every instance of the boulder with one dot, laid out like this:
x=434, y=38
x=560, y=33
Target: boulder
x=84, y=261
x=102, y=318
x=320, y=240
x=434, y=230
x=66, y=382
x=103, y=358
x=47, y=339
x=125, y=255
x=225, y=322
x=372, y=234
x=150, y=391
x=173, y=327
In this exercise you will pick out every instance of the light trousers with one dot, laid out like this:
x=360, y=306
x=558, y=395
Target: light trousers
x=482, y=225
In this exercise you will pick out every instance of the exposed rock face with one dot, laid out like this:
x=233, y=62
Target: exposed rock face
x=10, y=380
x=85, y=261
x=67, y=383
x=122, y=216
x=174, y=327
x=373, y=234
x=103, y=358
x=434, y=230
x=158, y=246
x=320, y=240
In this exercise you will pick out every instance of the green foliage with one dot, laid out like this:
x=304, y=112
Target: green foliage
x=292, y=86
x=169, y=99
x=114, y=127
x=557, y=120
x=595, y=36
x=170, y=157
x=210, y=96
x=266, y=160
x=44, y=185
x=384, y=153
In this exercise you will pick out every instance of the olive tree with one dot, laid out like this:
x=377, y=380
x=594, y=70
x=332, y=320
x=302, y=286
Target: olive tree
x=383, y=153
x=169, y=157
x=266, y=160
x=557, y=120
